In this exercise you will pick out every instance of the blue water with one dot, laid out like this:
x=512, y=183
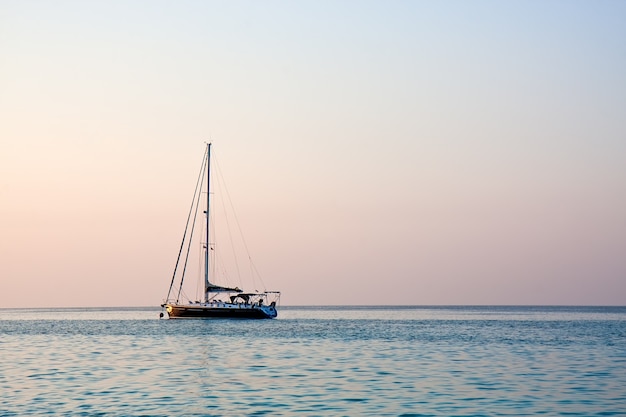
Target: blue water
x=352, y=361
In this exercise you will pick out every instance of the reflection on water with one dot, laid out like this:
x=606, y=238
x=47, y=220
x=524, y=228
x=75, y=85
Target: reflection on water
x=323, y=361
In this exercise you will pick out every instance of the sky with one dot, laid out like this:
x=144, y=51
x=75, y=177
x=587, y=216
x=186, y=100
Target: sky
x=377, y=152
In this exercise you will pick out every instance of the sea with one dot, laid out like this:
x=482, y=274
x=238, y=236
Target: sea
x=316, y=361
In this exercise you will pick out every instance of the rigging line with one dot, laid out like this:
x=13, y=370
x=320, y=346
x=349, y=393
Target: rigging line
x=222, y=183
x=182, y=244
x=184, y=295
x=212, y=247
x=243, y=240
x=218, y=269
x=254, y=268
x=199, y=278
x=193, y=226
x=218, y=266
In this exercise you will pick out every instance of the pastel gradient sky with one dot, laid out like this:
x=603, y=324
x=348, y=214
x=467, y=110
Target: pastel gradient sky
x=378, y=152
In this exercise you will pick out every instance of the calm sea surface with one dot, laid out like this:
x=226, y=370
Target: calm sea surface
x=352, y=361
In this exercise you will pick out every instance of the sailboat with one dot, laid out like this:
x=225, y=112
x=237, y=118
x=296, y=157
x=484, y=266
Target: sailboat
x=217, y=301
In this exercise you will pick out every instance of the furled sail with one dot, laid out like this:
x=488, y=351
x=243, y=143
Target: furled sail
x=217, y=288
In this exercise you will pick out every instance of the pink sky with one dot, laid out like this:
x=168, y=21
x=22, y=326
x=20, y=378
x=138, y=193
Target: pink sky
x=413, y=153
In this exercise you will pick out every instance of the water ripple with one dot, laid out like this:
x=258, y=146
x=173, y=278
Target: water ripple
x=315, y=365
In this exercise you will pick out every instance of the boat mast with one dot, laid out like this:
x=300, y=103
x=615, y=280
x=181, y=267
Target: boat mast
x=207, y=248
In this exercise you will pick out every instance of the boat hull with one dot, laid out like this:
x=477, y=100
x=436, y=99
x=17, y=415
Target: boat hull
x=226, y=310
